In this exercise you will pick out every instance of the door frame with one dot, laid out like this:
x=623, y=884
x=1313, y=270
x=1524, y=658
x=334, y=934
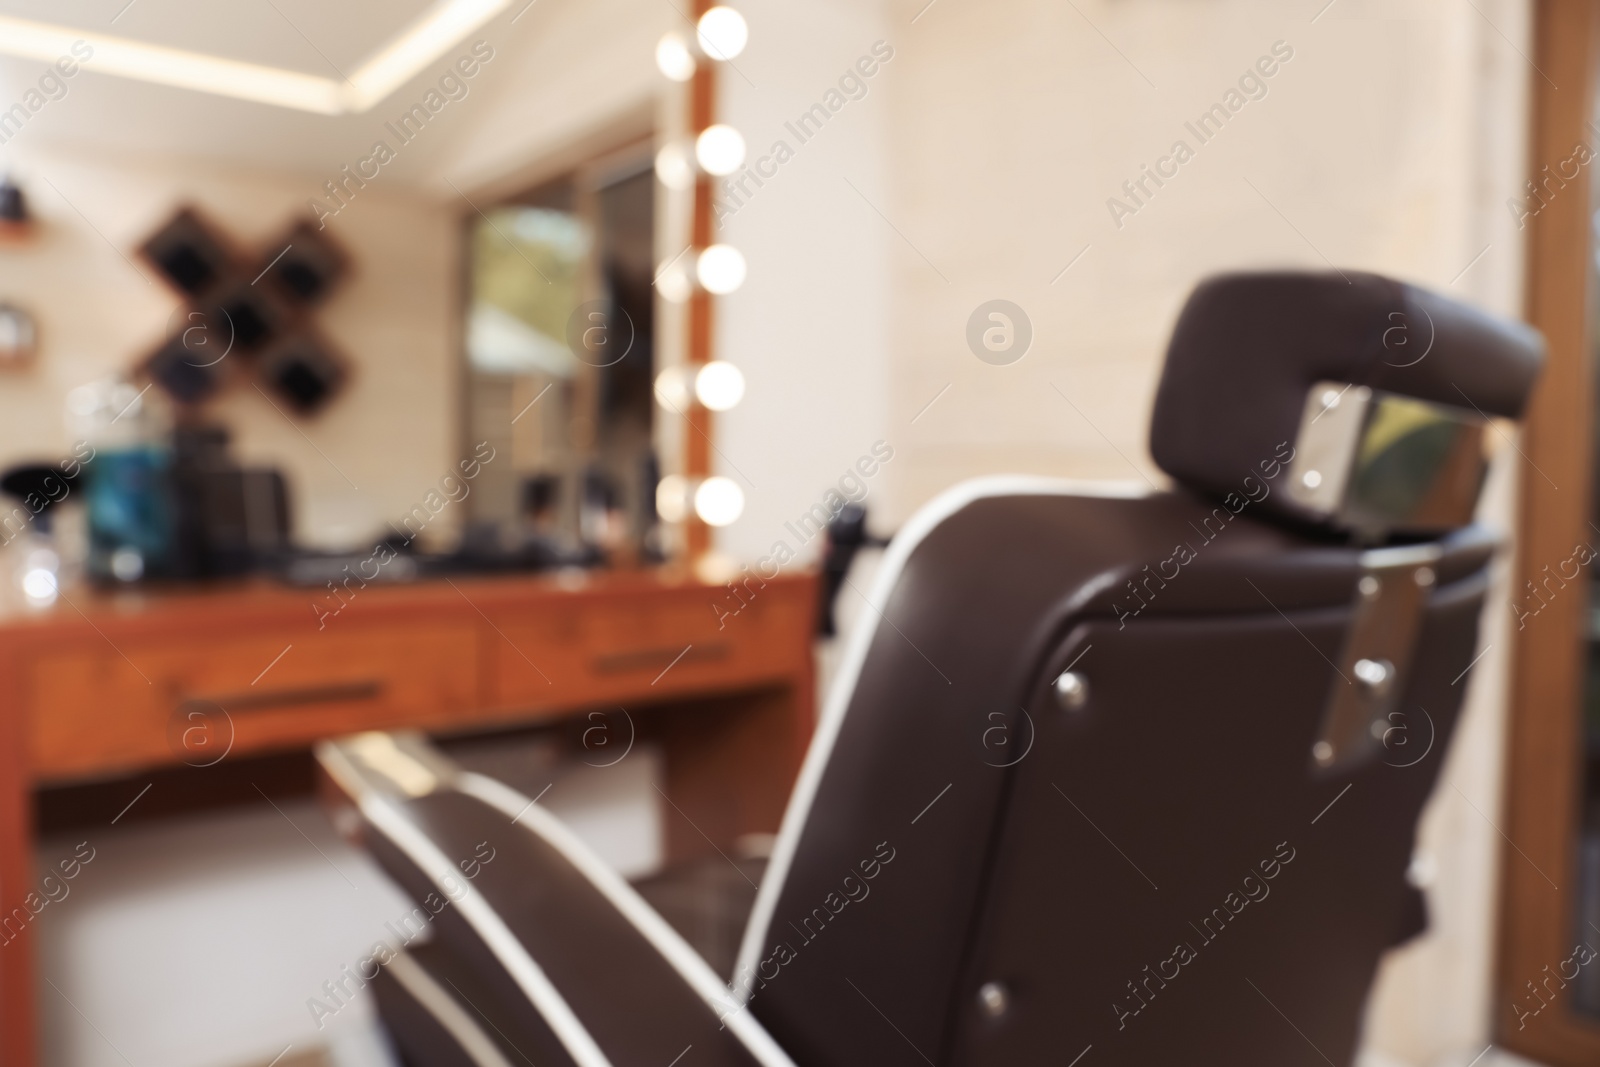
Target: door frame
x=1544, y=733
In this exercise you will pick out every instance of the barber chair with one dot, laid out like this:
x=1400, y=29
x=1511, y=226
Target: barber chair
x=1118, y=776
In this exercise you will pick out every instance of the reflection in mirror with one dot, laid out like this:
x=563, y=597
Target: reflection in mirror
x=559, y=353
x=1419, y=465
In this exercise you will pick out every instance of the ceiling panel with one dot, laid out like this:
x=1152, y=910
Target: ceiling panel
x=115, y=116
x=309, y=36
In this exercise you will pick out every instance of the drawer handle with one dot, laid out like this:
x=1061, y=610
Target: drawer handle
x=278, y=698
x=647, y=659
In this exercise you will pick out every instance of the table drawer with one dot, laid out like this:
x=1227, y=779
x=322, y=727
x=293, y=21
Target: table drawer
x=195, y=699
x=674, y=643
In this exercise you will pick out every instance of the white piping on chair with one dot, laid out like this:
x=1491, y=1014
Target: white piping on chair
x=478, y=1046
x=432, y=861
x=678, y=953
x=928, y=518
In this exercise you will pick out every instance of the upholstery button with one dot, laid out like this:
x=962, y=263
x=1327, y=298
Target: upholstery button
x=1072, y=690
x=993, y=999
x=1374, y=676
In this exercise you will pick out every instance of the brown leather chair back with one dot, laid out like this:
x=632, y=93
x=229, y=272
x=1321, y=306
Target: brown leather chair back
x=1140, y=771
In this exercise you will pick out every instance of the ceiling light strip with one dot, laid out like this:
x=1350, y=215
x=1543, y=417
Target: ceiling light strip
x=174, y=67
x=437, y=30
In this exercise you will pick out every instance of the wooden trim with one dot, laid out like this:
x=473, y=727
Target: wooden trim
x=701, y=341
x=1539, y=875
x=18, y=1003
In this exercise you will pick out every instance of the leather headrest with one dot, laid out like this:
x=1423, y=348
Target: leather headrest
x=1247, y=349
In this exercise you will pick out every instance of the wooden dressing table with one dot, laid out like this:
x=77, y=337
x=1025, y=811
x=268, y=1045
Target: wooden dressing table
x=111, y=687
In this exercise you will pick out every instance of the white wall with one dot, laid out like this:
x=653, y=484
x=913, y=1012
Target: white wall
x=1389, y=142
x=566, y=69
x=811, y=326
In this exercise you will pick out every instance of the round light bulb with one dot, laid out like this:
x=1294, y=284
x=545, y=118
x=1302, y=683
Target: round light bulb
x=719, y=385
x=672, y=498
x=673, y=168
x=720, y=149
x=39, y=580
x=718, y=501
x=723, y=33
x=672, y=389
x=39, y=585
x=720, y=269
x=674, y=58
x=673, y=282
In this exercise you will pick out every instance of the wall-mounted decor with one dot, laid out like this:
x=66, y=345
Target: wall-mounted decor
x=246, y=314
x=18, y=336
